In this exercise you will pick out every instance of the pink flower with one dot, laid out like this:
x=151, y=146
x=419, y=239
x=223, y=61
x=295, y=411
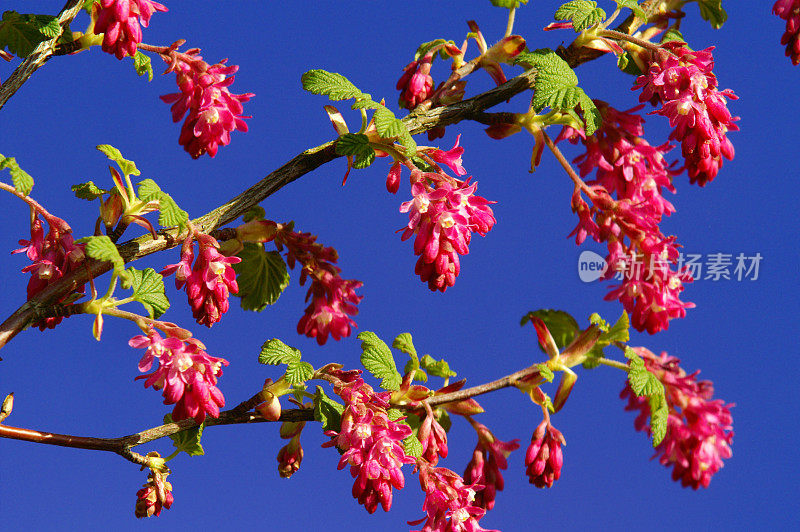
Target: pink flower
x=186, y=373
x=371, y=444
x=209, y=282
x=544, y=457
x=699, y=434
x=789, y=10
x=449, y=502
x=488, y=459
x=289, y=457
x=53, y=255
x=416, y=83
x=433, y=438
x=213, y=111
x=120, y=20
x=154, y=496
x=683, y=82
x=451, y=158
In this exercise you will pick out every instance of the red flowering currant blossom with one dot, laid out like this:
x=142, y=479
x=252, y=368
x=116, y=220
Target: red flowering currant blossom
x=186, y=373
x=433, y=438
x=544, y=458
x=213, y=111
x=53, y=255
x=451, y=158
x=208, y=282
x=154, y=496
x=371, y=444
x=449, y=502
x=333, y=299
x=416, y=83
x=789, y=10
x=488, y=459
x=121, y=22
x=289, y=457
x=442, y=216
x=683, y=82
x=699, y=434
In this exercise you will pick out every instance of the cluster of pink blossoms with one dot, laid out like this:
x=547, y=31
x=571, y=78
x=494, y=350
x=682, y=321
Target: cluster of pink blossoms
x=637, y=173
x=121, y=22
x=488, y=458
x=699, y=434
x=683, y=82
x=789, y=10
x=208, y=282
x=416, y=83
x=53, y=255
x=213, y=111
x=333, y=299
x=371, y=444
x=449, y=502
x=154, y=496
x=186, y=373
x=544, y=457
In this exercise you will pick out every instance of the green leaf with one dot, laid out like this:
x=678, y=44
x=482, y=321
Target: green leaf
x=562, y=325
x=148, y=289
x=169, y=212
x=590, y=112
x=87, y=5
x=408, y=142
x=352, y=144
x=143, y=65
x=437, y=368
x=582, y=13
x=545, y=372
x=256, y=212
x=365, y=103
x=672, y=34
x=412, y=446
x=377, y=359
x=21, y=33
x=275, y=352
x=103, y=249
x=187, y=441
x=633, y=5
x=388, y=125
x=510, y=4
x=298, y=372
x=643, y=383
x=711, y=11
x=88, y=191
x=364, y=160
x=333, y=85
x=659, y=415
x=22, y=180
x=620, y=332
x=127, y=167
x=148, y=190
x=327, y=411
x=405, y=343
x=261, y=276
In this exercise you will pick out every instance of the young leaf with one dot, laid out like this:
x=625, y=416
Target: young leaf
x=545, y=372
x=377, y=359
x=275, y=352
x=387, y=124
x=299, y=372
x=633, y=5
x=510, y=4
x=582, y=13
x=405, y=343
x=21, y=33
x=352, y=144
x=148, y=289
x=187, y=441
x=327, y=411
x=333, y=85
x=22, y=180
x=148, y=190
x=88, y=191
x=562, y=325
x=437, y=368
x=711, y=11
x=143, y=65
x=659, y=414
x=87, y=5
x=127, y=167
x=619, y=332
x=412, y=446
x=364, y=160
x=261, y=276
x=102, y=248
x=256, y=212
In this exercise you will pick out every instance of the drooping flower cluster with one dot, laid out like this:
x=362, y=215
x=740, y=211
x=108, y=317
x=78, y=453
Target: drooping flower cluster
x=291, y=455
x=449, y=502
x=208, y=282
x=637, y=173
x=213, y=111
x=443, y=214
x=544, y=457
x=333, y=299
x=371, y=444
x=682, y=81
x=488, y=458
x=699, y=428
x=154, y=496
x=186, y=374
x=416, y=83
x=433, y=438
x=789, y=10
x=53, y=255
x=121, y=22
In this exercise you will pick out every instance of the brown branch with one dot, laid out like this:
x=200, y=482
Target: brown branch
x=40, y=54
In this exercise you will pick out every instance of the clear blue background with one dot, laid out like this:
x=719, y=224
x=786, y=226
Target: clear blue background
x=742, y=334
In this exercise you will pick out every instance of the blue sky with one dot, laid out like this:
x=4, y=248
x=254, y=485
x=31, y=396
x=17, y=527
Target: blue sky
x=742, y=334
